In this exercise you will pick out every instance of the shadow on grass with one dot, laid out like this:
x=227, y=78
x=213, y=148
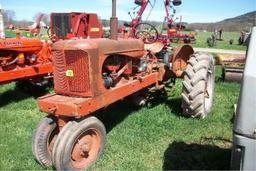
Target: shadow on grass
x=174, y=103
x=183, y=156
x=117, y=112
x=17, y=94
x=175, y=106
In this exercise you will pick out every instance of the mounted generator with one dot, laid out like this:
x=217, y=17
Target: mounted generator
x=90, y=74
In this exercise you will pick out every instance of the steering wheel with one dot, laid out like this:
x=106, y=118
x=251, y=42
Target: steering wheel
x=146, y=32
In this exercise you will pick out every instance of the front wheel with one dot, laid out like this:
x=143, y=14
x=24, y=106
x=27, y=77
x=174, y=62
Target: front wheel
x=198, y=86
x=43, y=139
x=79, y=144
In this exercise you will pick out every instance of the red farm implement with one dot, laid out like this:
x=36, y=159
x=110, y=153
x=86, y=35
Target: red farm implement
x=149, y=34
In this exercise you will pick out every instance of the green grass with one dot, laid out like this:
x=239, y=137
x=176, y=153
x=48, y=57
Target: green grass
x=201, y=38
x=155, y=137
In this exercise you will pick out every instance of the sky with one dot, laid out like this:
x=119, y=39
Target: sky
x=190, y=10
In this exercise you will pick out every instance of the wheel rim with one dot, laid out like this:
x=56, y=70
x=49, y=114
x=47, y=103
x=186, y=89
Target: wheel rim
x=86, y=148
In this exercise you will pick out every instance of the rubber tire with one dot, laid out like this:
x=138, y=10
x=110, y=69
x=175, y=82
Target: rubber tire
x=40, y=139
x=199, y=73
x=61, y=155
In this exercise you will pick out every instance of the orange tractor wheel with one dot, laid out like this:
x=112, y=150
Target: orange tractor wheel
x=79, y=144
x=43, y=139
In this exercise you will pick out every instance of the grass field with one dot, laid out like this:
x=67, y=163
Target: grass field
x=155, y=137
x=201, y=38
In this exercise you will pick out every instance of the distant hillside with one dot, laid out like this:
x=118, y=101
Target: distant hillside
x=239, y=23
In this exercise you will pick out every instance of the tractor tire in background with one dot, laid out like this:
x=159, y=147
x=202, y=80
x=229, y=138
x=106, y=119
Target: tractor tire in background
x=43, y=139
x=198, y=86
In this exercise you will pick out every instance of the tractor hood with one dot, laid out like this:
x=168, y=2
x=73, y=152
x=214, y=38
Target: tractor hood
x=104, y=46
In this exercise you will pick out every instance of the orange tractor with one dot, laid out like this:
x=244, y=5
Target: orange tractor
x=30, y=60
x=90, y=74
x=24, y=58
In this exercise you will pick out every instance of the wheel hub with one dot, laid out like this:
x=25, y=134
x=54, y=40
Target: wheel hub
x=85, y=149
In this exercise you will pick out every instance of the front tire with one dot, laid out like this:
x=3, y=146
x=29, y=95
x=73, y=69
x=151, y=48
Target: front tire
x=198, y=86
x=79, y=145
x=43, y=139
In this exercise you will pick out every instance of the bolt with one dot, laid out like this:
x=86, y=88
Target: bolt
x=238, y=150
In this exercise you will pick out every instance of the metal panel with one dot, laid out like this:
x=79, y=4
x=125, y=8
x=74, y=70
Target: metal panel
x=71, y=72
x=61, y=25
x=60, y=83
x=245, y=122
x=77, y=62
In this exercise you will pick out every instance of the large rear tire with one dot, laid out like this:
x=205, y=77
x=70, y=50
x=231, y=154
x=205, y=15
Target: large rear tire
x=79, y=144
x=198, y=86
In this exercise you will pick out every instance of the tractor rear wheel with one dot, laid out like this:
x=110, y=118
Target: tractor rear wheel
x=79, y=144
x=43, y=139
x=198, y=86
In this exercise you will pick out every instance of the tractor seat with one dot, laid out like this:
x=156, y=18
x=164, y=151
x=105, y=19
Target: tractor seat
x=155, y=47
x=127, y=24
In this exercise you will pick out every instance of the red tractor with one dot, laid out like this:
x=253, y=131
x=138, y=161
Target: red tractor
x=149, y=34
x=28, y=60
x=90, y=74
x=24, y=58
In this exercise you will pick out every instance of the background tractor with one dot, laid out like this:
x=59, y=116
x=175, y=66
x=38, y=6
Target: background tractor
x=90, y=74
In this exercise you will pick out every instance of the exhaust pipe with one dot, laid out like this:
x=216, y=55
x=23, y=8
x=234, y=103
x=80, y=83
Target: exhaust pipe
x=113, y=22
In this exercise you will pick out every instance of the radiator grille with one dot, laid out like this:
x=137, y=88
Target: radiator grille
x=59, y=71
x=77, y=62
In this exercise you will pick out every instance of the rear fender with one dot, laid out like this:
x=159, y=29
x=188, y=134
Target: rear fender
x=180, y=59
